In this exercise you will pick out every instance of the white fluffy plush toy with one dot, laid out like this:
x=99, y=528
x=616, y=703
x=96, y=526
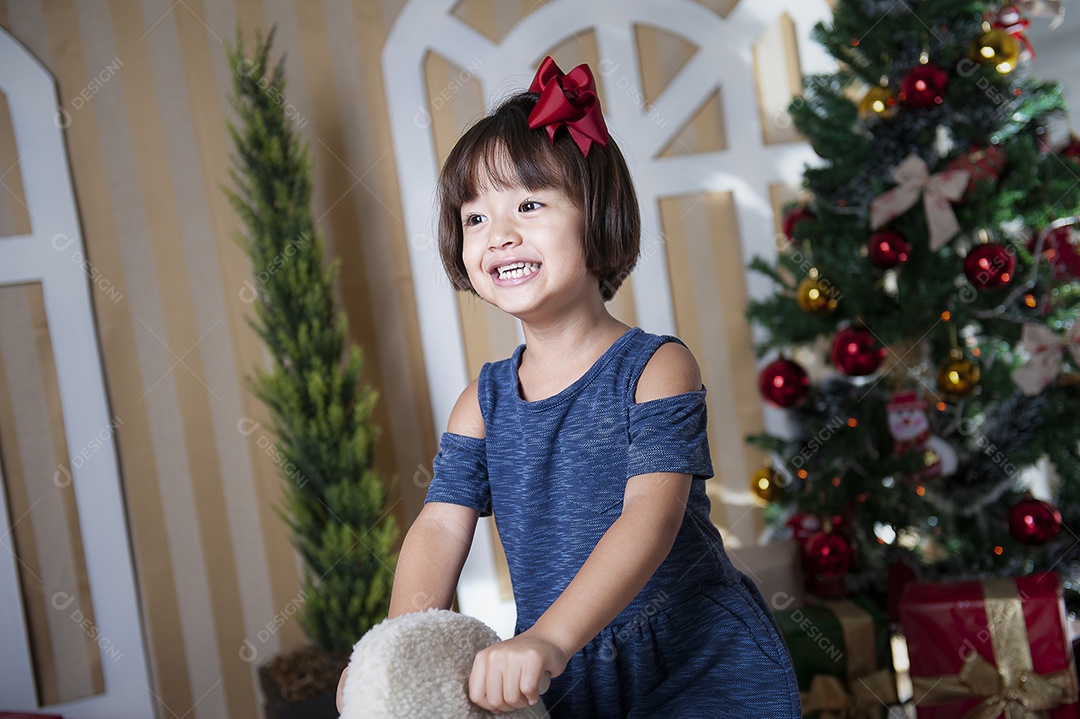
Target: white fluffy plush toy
x=417, y=666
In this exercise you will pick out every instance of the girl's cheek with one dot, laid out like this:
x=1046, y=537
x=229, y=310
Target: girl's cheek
x=472, y=268
x=473, y=254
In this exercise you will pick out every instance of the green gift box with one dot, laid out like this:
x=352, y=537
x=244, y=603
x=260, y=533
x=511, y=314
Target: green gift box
x=843, y=658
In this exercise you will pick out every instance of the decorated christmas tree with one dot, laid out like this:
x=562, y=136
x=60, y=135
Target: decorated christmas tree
x=932, y=265
x=334, y=500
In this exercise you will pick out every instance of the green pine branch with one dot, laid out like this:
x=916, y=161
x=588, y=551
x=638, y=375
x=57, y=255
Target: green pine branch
x=333, y=502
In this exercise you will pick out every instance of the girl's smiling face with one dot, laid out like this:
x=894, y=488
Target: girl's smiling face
x=540, y=233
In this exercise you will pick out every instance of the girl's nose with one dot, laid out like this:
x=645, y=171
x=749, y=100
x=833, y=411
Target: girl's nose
x=503, y=234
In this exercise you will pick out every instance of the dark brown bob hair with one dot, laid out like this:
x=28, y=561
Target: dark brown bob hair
x=599, y=184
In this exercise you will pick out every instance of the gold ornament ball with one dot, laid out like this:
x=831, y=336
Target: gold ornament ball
x=957, y=376
x=765, y=484
x=997, y=48
x=878, y=102
x=816, y=297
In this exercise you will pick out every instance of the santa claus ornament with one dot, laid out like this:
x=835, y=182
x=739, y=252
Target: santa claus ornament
x=910, y=428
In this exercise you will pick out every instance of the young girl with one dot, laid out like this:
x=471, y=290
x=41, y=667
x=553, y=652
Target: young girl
x=588, y=445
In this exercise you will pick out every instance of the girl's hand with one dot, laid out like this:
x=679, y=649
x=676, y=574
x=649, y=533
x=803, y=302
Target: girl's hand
x=507, y=675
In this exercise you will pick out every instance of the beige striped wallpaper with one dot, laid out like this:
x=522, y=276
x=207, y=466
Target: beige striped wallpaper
x=148, y=151
x=145, y=85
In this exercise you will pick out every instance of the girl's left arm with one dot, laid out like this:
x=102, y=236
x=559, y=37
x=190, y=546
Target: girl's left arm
x=621, y=563
x=618, y=568
x=640, y=539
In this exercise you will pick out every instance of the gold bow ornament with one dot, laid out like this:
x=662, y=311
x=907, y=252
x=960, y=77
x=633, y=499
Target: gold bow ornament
x=1045, y=350
x=913, y=178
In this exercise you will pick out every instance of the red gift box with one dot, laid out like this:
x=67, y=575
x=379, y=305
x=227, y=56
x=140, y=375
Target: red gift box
x=995, y=648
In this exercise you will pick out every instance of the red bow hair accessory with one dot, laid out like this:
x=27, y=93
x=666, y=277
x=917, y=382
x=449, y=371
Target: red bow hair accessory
x=570, y=101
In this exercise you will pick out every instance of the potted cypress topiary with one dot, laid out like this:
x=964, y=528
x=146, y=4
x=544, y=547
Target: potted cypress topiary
x=333, y=500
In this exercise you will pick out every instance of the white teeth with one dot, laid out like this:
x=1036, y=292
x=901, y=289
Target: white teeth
x=517, y=269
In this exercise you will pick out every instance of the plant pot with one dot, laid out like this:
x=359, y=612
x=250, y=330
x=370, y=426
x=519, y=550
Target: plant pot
x=323, y=707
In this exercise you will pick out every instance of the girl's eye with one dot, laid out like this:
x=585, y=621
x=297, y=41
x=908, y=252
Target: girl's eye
x=473, y=220
x=529, y=205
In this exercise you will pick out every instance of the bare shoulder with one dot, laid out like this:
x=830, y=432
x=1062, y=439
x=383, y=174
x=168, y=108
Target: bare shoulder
x=671, y=370
x=466, y=418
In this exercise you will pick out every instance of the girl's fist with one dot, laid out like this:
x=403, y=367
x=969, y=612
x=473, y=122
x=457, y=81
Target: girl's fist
x=508, y=675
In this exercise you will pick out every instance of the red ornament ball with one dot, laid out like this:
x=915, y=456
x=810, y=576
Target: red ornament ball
x=804, y=527
x=924, y=86
x=855, y=352
x=1072, y=150
x=983, y=164
x=1061, y=249
x=828, y=556
x=888, y=248
x=989, y=266
x=793, y=218
x=1033, y=521
x=783, y=383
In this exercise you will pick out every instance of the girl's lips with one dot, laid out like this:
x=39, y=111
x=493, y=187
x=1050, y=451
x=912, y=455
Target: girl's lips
x=515, y=281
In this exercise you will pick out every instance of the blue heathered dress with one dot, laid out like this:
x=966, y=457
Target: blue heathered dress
x=699, y=639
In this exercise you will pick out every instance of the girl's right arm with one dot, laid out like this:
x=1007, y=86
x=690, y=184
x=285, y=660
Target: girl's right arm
x=436, y=545
x=438, y=541
x=431, y=558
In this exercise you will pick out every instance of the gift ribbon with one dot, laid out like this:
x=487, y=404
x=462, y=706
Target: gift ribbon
x=1046, y=352
x=1012, y=687
x=868, y=688
x=938, y=191
x=864, y=700
x=568, y=100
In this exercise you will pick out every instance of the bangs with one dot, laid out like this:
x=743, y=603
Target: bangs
x=502, y=152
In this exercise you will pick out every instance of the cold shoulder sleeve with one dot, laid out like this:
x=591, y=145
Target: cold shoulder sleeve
x=670, y=435
x=459, y=473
